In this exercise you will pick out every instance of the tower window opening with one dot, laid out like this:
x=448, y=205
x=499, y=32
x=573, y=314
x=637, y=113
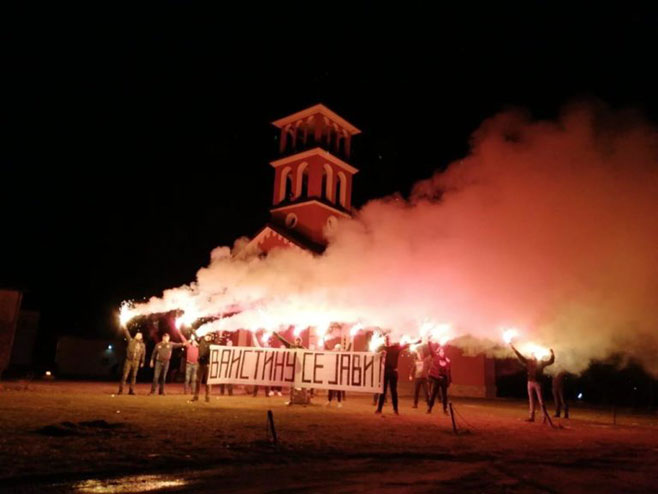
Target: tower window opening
x=327, y=182
x=301, y=134
x=290, y=141
x=301, y=187
x=341, y=189
x=304, y=184
x=285, y=185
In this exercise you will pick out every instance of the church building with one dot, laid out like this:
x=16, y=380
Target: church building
x=312, y=191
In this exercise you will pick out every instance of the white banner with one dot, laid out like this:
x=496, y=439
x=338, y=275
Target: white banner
x=345, y=371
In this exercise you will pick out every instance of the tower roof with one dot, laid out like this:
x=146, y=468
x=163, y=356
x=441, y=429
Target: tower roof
x=314, y=110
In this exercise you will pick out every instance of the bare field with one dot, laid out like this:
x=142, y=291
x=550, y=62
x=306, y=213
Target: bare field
x=78, y=437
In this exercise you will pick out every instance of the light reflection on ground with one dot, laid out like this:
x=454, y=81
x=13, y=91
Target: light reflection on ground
x=133, y=483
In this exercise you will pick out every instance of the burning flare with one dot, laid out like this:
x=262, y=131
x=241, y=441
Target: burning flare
x=509, y=335
x=378, y=340
x=126, y=313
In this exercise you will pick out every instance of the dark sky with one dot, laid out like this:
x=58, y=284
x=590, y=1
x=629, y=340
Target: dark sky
x=137, y=136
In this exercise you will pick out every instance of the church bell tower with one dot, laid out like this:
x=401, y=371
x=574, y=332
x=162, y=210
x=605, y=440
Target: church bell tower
x=312, y=178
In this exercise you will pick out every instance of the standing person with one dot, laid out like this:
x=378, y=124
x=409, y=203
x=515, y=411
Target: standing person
x=333, y=392
x=535, y=370
x=297, y=344
x=391, y=373
x=135, y=354
x=204, y=367
x=419, y=375
x=558, y=394
x=440, y=375
x=191, y=365
x=160, y=359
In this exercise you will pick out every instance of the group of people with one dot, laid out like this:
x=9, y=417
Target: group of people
x=434, y=370
x=431, y=372
x=197, y=360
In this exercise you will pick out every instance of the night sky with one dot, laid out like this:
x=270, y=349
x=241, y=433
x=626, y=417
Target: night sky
x=137, y=136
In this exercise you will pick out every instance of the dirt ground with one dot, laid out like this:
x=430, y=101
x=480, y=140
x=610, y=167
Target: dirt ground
x=79, y=437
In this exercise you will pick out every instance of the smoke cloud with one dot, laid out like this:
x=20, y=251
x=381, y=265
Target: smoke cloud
x=547, y=226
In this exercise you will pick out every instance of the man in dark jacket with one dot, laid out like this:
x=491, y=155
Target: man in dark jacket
x=135, y=354
x=535, y=370
x=391, y=373
x=160, y=360
x=204, y=366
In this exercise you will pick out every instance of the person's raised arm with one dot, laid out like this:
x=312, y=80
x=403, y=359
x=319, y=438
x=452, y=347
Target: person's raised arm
x=407, y=345
x=126, y=333
x=254, y=338
x=550, y=360
x=285, y=342
x=519, y=355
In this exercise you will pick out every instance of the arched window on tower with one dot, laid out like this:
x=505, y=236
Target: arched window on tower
x=331, y=137
x=327, y=182
x=305, y=184
x=288, y=196
x=326, y=134
x=300, y=136
x=335, y=138
x=310, y=132
x=301, y=189
x=285, y=185
x=342, y=137
x=341, y=189
x=290, y=141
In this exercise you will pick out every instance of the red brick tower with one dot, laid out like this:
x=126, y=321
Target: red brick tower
x=312, y=180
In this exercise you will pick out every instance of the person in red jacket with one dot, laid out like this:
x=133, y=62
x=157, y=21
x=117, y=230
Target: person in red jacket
x=191, y=365
x=440, y=376
x=204, y=367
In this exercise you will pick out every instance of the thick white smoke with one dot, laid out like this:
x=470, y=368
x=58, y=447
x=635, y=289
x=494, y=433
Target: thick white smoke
x=548, y=226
